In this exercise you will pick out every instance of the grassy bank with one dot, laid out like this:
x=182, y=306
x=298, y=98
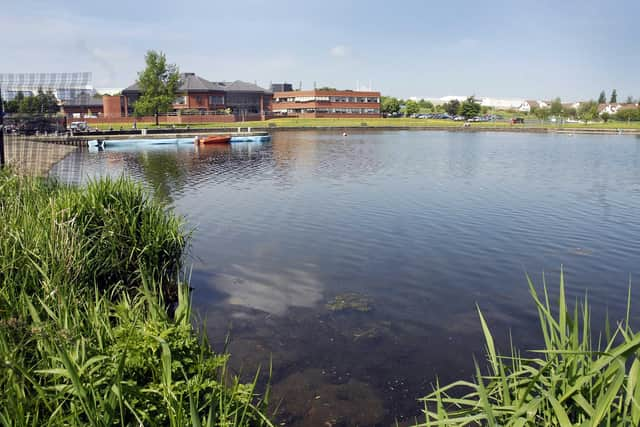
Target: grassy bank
x=577, y=379
x=395, y=122
x=95, y=327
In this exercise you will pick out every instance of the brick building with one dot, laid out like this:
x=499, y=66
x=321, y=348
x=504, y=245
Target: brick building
x=196, y=94
x=326, y=103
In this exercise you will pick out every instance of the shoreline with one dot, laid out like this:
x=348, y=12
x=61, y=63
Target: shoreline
x=79, y=140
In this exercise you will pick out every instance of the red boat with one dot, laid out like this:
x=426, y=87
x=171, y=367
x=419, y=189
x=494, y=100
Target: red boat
x=213, y=139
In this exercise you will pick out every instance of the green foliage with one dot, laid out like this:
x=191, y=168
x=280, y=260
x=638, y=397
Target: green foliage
x=411, y=107
x=470, y=108
x=588, y=110
x=628, y=114
x=76, y=348
x=42, y=103
x=542, y=113
x=158, y=83
x=556, y=107
x=425, y=105
x=568, y=382
x=326, y=89
x=605, y=116
x=389, y=105
x=614, y=97
x=452, y=107
x=602, y=99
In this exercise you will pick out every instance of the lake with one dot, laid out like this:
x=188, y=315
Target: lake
x=355, y=263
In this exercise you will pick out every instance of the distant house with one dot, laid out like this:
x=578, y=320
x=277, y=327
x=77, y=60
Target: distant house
x=614, y=108
x=529, y=105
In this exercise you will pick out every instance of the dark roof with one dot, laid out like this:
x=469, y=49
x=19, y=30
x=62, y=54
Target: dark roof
x=190, y=82
x=84, y=100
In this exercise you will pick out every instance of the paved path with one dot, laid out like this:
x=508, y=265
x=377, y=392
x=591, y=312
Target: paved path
x=34, y=158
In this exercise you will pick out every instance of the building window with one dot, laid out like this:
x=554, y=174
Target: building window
x=180, y=100
x=198, y=99
x=216, y=100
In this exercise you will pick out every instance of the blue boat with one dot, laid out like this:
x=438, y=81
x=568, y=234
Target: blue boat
x=250, y=138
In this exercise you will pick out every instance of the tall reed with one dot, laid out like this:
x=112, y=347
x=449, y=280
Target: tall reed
x=95, y=325
x=577, y=379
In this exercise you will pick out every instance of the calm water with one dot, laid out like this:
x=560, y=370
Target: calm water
x=422, y=225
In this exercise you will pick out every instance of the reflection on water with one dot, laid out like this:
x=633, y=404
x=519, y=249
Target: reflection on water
x=424, y=225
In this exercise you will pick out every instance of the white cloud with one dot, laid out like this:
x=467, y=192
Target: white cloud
x=339, y=51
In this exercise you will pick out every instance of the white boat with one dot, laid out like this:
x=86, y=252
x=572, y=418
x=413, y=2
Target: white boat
x=138, y=142
x=250, y=138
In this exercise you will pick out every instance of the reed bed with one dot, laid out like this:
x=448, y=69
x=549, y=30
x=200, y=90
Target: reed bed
x=95, y=325
x=577, y=379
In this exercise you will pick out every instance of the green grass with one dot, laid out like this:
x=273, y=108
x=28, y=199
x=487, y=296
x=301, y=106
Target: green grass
x=381, y=122
x=577, y=379
x=95, y=325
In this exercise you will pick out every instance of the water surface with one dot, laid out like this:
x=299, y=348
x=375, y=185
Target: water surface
x=423, y=225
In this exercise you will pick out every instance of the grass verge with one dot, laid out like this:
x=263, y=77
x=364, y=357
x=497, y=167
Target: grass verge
x=575, y=380
x=95, y=327
x=381, y=122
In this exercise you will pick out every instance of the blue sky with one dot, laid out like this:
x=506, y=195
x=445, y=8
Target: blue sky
x=536, y=49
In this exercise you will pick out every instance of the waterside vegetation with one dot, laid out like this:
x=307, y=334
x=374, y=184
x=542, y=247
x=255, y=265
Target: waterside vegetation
x=577, y=379
x=95, y=325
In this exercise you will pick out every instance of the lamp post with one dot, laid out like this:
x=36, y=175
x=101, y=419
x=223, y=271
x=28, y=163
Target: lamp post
x=2, y=159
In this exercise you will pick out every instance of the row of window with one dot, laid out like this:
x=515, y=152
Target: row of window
x=360, y=99
x=199, y=100
x=330, y=110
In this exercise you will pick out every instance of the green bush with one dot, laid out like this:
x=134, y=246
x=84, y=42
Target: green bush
x=87, y=336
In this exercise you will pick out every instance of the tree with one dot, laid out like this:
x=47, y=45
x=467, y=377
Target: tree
x=389, y=105
x=602, y=99
x=470, y=108
x=605, y=116
x=556, y=107
x=629, y=99
x=588, y=111
x=614, y=97
x=452, y=107
x=425, y=105
x=411, y=107
x=541, y=113
x=326, y=89
x=158, y=83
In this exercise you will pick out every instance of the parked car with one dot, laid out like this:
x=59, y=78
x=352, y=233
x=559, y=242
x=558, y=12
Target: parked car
x=79, y=126
x=517, y=120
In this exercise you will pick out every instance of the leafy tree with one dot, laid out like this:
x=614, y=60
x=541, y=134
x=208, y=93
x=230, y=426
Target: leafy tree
x=411, y=107
x=628, y=114
x=326, y=88
x=541, y=113
x=425, y=105
x=470, y=107
x=588, y=110
x=602, y=99
x=614, y=97
x=452, y=107
x=556, y=107
x=390, y=105
x=605, y=116
x=158, y=83
x=571, y=112
x=42, y=103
